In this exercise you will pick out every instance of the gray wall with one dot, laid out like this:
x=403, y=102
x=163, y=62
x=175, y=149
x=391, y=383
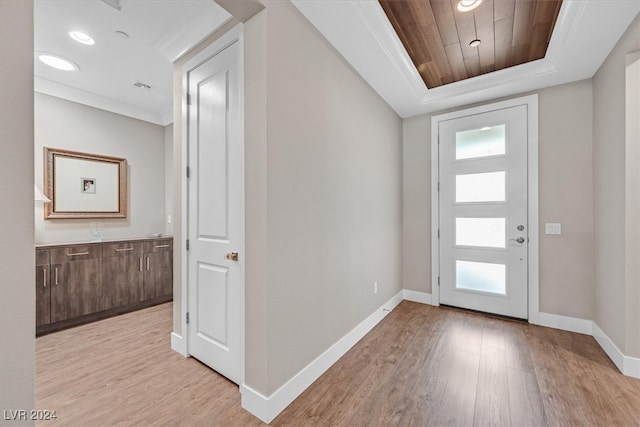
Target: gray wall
x=72, y=126
x=333, y=196
x=168, y=177
x=565, y=196
x=614, y=180
x=416, y=201
x=17, y=298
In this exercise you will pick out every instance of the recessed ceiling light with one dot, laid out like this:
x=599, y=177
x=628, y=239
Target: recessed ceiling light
x=467, y=5
x=81, y=37
x=58, y=62
x=475, y=43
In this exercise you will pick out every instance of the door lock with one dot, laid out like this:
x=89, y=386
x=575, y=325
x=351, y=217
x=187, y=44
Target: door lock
x=232, y=256
x=520, y=227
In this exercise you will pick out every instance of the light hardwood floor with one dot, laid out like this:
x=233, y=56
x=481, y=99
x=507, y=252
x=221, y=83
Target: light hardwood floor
x=421, y=366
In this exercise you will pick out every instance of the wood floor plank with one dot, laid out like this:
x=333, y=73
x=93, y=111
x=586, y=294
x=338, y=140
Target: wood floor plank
x=420, y=366
x=492, y=406
x=525, y=399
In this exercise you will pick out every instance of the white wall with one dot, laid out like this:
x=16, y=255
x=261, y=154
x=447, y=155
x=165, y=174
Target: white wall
x=72, y=126
x=17, y=283
x=614, y=183
x=565, y=196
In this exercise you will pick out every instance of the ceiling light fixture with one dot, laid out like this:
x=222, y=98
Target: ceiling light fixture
x=57, y=62
x=467, y=5
x=475, y=43
x=81, y=37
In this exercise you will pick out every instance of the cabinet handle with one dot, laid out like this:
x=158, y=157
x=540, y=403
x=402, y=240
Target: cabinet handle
x=44, y=276
x=140, y=263
x=147, y=263
x=77, y=254
x=56, y=275
x=161, y=246
x=124, y=250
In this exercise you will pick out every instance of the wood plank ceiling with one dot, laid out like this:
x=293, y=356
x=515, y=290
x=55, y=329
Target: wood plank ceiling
x=436, y=35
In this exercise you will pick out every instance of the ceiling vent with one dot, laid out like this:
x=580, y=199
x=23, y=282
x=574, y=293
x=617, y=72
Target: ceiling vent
x=142, y=86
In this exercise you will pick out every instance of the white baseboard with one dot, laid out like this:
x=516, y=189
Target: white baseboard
x=566, y=323
x=178, y=344
x=416, y=296
x=629, y=366
x=267, y=408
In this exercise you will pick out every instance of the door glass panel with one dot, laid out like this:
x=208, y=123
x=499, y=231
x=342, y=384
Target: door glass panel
x=481, y=187
x=481, y=276
x=483, y=142
x=484, y=232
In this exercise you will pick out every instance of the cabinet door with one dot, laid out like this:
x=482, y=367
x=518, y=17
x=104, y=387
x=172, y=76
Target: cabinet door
x=122, y=273
x=43, y=295
x=76, y=289
x=158, y=272
x=43, y=288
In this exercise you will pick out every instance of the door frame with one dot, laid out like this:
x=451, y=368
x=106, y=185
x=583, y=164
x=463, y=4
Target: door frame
x=533, y=276
x=234, y=35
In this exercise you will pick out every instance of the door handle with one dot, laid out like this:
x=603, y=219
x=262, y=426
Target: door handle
x=518, y=240
x=232, y=256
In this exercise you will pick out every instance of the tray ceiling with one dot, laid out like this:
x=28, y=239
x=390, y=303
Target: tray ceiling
x=584, y=34
x=441, y=40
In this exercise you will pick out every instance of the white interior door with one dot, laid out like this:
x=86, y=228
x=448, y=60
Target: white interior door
x=483, y=226
x=215, y=211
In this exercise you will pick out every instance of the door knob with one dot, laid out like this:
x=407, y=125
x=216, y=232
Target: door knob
x=518, y=240
x=232, y=256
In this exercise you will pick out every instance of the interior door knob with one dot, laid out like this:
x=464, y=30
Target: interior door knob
x=518, y=240
x=232, y=256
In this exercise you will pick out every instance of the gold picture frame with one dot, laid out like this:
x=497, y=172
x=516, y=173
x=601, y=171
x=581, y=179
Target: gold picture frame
x=82, y=185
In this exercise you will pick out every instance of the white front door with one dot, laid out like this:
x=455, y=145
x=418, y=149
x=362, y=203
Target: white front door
x=215, y=214
x=483, y=226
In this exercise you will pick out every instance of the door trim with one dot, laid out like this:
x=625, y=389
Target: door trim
x=234, y=35
x=531, y=102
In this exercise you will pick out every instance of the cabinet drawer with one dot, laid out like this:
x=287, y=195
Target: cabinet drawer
x=75, y=253
x=160, y=245
x=122, y=249
x=42, y=257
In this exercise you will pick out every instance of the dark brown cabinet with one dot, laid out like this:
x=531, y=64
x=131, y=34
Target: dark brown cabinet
x=158, y=269
x=80, y=283
x=122, y=273
x=43, y=287
x=76, y=285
